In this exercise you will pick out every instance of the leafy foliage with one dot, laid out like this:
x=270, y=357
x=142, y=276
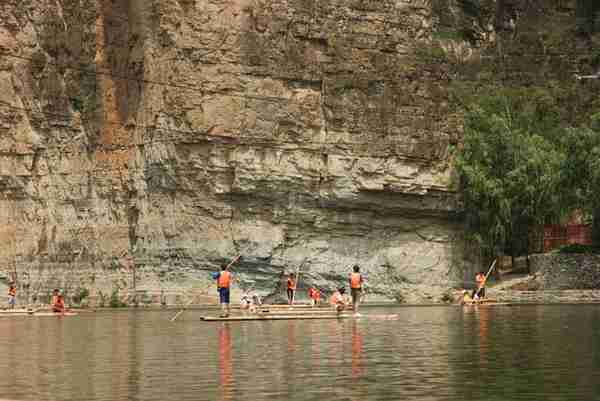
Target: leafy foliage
x=511, y=168
x=578, y=248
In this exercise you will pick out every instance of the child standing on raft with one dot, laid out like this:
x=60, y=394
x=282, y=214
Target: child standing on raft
x=356, y=282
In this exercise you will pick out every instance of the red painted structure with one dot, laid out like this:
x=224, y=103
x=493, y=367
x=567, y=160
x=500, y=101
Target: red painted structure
x=556, y=235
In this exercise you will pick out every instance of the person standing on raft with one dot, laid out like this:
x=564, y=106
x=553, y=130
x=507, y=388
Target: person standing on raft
x=291, y=287
x=12, y=296
x=356, y=282
x=479, y=291
x=224, y=278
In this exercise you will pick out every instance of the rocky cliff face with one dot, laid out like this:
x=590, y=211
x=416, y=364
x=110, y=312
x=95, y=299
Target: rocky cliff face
x=304, y=133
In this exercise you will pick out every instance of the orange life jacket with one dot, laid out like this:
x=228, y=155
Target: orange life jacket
x=291, y=284
x=355, y=280
x=224, y=279
x=12, y=291
x=313, y=293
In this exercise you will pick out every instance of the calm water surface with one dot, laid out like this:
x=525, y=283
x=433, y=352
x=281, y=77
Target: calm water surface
x=428, y=353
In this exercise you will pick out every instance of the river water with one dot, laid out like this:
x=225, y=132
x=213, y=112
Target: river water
x=426, y=353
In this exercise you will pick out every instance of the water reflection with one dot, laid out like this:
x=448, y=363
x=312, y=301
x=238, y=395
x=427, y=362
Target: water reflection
x=225, y=363
x=358, y=371
x=357, y=345
x=427, y=354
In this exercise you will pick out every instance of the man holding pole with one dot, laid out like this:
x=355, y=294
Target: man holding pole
x=479, y=291
x=224, y=279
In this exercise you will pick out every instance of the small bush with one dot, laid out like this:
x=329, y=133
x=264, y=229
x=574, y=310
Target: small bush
x=115, y=302
x=80, y=295
x=578, y=248
x=447, y=298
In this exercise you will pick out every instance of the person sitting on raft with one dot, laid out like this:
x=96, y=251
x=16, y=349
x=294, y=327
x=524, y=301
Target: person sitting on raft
x=465, y=298
x=247, y=303
x=338, y=301
x=314, y=295
x=58, y=302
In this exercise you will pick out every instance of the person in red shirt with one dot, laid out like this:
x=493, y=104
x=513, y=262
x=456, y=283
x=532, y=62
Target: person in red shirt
x=314, y=295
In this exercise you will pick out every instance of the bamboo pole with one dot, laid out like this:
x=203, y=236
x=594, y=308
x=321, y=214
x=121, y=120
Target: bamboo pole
x=297, y=280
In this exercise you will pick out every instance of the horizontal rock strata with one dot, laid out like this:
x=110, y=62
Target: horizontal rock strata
x=165, y=137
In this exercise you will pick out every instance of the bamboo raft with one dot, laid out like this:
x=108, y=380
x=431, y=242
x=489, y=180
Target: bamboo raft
x=487, y=304
x=270, y=311
x=275, y=317
x=33, y=312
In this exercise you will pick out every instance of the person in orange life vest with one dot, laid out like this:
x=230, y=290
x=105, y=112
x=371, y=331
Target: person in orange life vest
x=356, y=282
x=314, y=295
x=12, y=296
x=337, y=300
x=224, y=279
x=291, y=287
x=480, y=284
x=58, y=302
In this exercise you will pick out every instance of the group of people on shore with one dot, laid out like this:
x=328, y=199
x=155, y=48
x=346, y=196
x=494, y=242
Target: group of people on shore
x=337, y=300
x=57, y=303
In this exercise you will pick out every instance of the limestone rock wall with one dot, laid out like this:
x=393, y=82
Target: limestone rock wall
x=163, y=137
x=556, y=271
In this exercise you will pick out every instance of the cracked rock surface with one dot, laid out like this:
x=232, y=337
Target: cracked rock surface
x=182, y=133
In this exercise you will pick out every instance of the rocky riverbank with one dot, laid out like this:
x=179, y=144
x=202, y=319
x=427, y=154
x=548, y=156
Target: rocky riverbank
x=554, y=278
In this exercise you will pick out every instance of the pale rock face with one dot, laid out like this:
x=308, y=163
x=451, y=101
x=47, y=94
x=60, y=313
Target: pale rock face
x=295, y=132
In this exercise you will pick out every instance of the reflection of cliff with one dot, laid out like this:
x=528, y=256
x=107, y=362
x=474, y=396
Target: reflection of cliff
x=186, y=132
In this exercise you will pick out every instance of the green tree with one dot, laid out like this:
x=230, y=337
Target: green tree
x=581, y=171
x=510, y=167
x=587, y=16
